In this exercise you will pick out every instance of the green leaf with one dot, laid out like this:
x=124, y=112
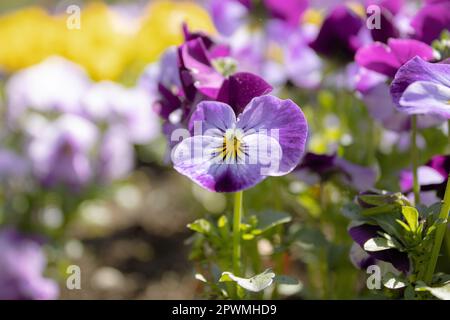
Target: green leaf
x=442, y=292
x=411, y=216
x=201, y=226
x=270, y=219
x=404, y=225
x=378, y=244
x=392, y=281
x=254, y=284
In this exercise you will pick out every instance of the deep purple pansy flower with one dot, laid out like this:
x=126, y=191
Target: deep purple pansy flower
x=230, y=152
x=320, y=167
x=338, y=35
x=421, y=87
x=432, y=179
x=364, y=232
x=431, y=20
x=22, y=263
x=387, y=59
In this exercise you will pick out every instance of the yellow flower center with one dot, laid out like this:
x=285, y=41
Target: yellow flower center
x=232, y=147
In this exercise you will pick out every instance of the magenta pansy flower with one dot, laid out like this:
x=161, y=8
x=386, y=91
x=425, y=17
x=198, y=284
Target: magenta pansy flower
x=230, y=152
x=421, y=87
x=387, y=59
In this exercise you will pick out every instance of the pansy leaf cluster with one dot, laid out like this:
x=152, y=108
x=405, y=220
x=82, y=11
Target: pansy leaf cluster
x=388, y=229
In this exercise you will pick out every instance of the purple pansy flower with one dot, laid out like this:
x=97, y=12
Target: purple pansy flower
x=360, y=258
x=339, y=36
x=60, y=154
x=316, y=168
x=116, y=156
x=279, y=53
x=364, y=232
x=229, y=15
x=381, y=107
x=289, y=11
x=431, y=20
x=127, y=108
x=230, y=152
x=432, y=179
x=387, y=59
x=421, y=87
x=12, y=165
x=199, y=59
x=22, y=263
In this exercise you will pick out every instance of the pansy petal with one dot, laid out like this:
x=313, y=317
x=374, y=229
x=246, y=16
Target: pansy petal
x=212, y=117
x=228, y=15
x=196, y=158
x=419, y=70
x=425, y=97
x=362, y=233
x=377, y=57
x=193, y=157
x=278, y=117
x=239, y=89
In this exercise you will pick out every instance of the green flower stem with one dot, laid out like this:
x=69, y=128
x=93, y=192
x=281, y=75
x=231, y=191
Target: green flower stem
x=414, y=160
x=439, y=236
x=237, y=217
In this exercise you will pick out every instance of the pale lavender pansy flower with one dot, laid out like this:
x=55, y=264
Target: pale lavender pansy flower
x=387, y=59
x=228, y=15
x=230, y=152
x=60, y=154
x=421, y=87
x=54, y=85
x=279, y=53
x=128, y=108
x=381, y=107
x=12, y=165
x=116, y=156
x=22, y=263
